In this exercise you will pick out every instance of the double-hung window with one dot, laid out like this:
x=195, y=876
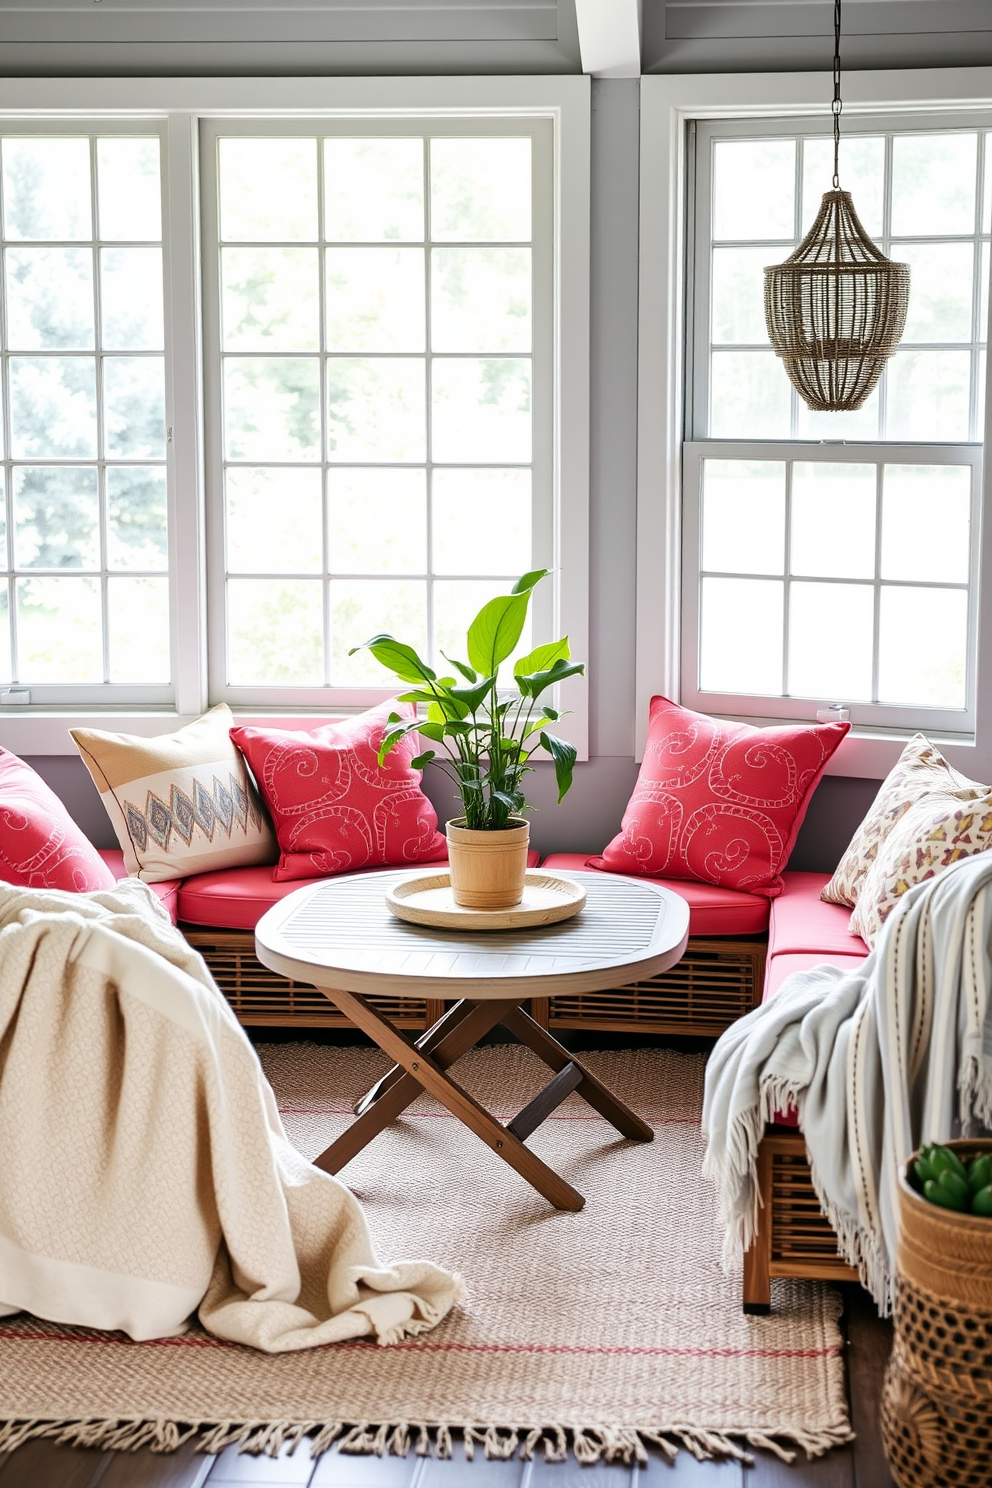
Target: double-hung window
x=834, y=557
x=379, y=331
x=272, y=384
x=85, y=593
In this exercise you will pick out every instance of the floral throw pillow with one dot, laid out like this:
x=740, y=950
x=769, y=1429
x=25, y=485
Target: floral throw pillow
x=930, y=836
x=920, y=772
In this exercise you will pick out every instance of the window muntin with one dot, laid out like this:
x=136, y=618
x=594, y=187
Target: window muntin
x=383, y=362
x=796, y=589
x=85, y=599
x=925, y=197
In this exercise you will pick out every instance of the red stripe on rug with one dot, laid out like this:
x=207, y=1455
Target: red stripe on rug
x=23, y=1335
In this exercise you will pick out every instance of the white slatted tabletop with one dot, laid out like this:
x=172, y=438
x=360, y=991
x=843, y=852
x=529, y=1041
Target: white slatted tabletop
x=340, y=933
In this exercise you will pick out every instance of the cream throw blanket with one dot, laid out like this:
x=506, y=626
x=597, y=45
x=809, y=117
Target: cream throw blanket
x=145, y=1171
x=876, y=1061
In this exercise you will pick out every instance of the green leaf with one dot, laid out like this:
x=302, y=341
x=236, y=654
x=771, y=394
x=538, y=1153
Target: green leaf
x=399, y=659
x=551, y=713
x=397, y=730
x=564, y=756
x=417, y=696
x=460, y=666
x=423, y=759
x=473, y=697
x=446, y=710
x=526, y=584
x=495, y=631
x=542, y=657
x=538, y=682
x=512, y=803
x=433, y=731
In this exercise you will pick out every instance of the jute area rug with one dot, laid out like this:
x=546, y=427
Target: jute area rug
x=595, y=1333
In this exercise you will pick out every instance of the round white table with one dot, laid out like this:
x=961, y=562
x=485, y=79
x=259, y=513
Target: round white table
x=340, y=937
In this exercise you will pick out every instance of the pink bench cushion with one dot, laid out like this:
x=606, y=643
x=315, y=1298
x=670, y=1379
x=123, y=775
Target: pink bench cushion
x=237, y=898
x=712, y=911
x=780, y=967
x=802, y=922
x=167, y=890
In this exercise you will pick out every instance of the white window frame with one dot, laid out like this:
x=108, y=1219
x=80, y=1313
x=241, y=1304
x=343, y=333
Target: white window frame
x=668, y=104
x=108, y=694
x=541, y=466
x=180, y=103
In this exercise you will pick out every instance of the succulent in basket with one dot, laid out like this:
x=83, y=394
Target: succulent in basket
x=952, y=1184
x=486, y=732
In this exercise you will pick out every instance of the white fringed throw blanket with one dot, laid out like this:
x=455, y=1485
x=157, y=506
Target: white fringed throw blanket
x=875, y=1061
x=145, y=1171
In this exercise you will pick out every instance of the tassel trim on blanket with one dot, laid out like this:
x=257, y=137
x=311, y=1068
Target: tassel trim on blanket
x=588, y=1445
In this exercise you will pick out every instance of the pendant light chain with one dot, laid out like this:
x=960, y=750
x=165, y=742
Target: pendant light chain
x=837, y=107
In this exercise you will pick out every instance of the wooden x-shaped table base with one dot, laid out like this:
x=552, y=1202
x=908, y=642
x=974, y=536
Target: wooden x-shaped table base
x=424, y=1066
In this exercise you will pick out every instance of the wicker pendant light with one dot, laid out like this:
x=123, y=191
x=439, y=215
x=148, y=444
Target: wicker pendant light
x=836, y=308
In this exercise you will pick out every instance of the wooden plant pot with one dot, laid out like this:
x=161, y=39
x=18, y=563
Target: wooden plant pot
x=936, y=1411
x=487, y=868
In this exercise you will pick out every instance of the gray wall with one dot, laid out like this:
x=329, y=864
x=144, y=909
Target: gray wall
x=591, y=813
x=768, y=36
x=245, y=38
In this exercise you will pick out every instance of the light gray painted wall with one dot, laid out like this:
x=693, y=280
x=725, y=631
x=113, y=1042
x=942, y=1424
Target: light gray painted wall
x=591, y=813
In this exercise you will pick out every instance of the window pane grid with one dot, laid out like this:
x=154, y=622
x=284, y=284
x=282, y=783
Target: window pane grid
x=339, y=459
x=746, y=389
x=739, y=490
x=56, y=500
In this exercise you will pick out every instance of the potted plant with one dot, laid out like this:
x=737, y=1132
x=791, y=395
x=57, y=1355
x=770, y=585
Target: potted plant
x=486, y=733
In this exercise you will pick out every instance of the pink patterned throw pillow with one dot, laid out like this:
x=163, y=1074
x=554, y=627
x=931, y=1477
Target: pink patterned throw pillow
x=719, y=802
x=40, y=845
x=334, y=808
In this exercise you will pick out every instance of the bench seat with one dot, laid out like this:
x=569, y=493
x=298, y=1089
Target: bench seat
x=794, y=1238
x=167, y=891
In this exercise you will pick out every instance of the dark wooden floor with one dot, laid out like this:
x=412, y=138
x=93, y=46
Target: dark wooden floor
x=861, y=1465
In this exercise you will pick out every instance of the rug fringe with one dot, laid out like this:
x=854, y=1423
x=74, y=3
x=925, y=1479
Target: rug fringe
x=588, y=1445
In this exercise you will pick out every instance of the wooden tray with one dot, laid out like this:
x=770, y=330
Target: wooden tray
x=428, y=900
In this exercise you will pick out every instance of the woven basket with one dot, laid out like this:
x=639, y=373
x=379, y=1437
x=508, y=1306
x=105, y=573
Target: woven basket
x=937, y=1399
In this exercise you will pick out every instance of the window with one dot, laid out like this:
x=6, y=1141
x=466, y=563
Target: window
x=834, y=557
x=85, y=604
x=379, y=389
x=256, y=411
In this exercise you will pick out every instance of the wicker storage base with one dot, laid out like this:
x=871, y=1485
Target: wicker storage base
x=937, y=1401
x=716, y=982
x=794, y=1236
x=263, y=998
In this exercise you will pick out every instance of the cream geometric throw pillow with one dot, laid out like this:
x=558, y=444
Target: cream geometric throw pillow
x=931, y=836
x=920, y=771
x=181, y=803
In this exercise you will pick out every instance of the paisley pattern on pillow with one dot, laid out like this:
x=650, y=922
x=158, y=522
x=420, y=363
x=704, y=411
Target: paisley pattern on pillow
x=719, y=802
x=40, y=845
x=930, y=836
x=334, y=807
x=920, y=771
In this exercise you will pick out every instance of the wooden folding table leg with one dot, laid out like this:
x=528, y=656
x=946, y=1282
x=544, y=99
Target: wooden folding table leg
x=458, y=1101
x=474, y=1023
x=427, y=1041
x=592, y=1091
